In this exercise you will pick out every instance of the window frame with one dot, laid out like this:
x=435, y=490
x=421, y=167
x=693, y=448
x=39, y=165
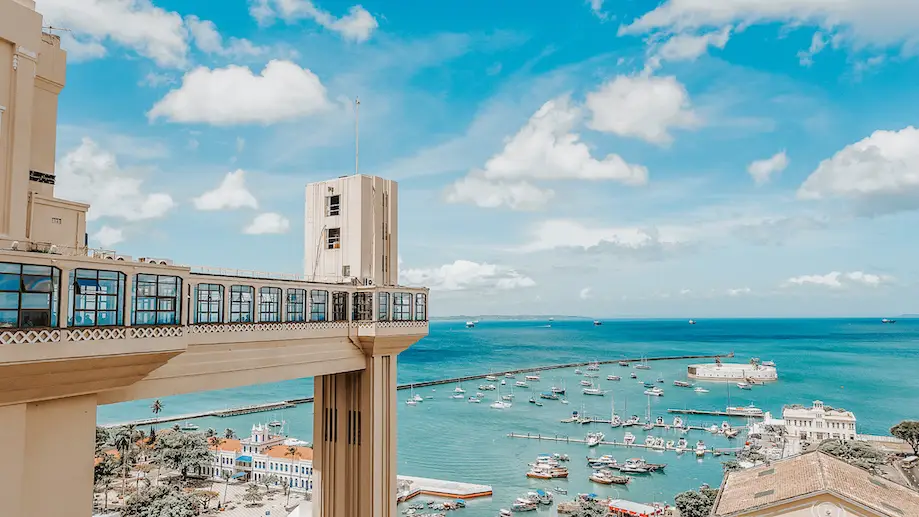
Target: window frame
x=319, y=305
x=293, y=302
x=402, y=306
x=383, y=306
x=209, y=300
x=330, y=207
x=333, y=243
x=53, y=277
x=160, y=281
x=421, y=304
x=92, y=315
x=339, y=306
x=238, y=316
x=362, y=306
x=269, y=308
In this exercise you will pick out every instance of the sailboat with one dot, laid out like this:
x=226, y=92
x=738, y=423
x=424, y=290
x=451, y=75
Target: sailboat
x=414, y=399
x=614, y=420
x=643, y=365
x=648, y=425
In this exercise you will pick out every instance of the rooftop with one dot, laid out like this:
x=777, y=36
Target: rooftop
x=811, y=474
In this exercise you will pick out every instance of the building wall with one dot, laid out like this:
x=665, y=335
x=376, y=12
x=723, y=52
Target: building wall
x=821, y=505
x=365, y=202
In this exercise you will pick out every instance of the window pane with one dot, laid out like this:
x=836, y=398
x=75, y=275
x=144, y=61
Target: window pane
x=36, y=270
x=107, y=318
x=87, y=273
x=36, y=284
x=166, y=318
x=9, y=301
x=9, y=318
x=108, y=286
x=35, y=318
x=9, y=283
x=109, y=275
x=84, y=318
x=6, y=267
x=36, y=301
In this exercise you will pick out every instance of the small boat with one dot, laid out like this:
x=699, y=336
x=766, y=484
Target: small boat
x=604, y=477
x=490, y=378
x=656, y=392
x=670, y=444
x=586, y=383
x=750, y=410
x=560, y=490
x=411, y=402
x=487, y=387
x=692, y=322
x=564, y=401
x=633, y=420
x=594, y=439
x=659, y=421
x=700, y=389
x=633, y=376
x=649, y=441
x=658, y=444
x=769, y=363
x=459, y=389
x=634, y=466
x=623, y=363
x=731, y=433
x=479, y=394
x=557, y=390
x=534, y=378
x=544, y=497
x=677, y=422
x=660, y=379
x=457, y=396
x=523, y=505
x=504, y=512
x=593, y=391
x=643, y=365
x=616, y=421
x=470, y=324
x=591, y=375
x=503, y=382
x=743, y=386
x=628, y=439
x=714, y=429
x=648, y=384
x=548, y=396
x=682, y=384
x=613, y=378
x=275, y=423
x=498, y=404
x=700, y=449
x=647, y=427
x=593, y=366
x=521, y=384
x=539, y=472
x=188, y=426
x=597, y=323
x=885, y=320
x=474, y=400
x=508, y=375
x=682, y=444
x=577, y=371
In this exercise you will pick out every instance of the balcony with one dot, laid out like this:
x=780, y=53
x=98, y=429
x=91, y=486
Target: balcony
x=128, y=329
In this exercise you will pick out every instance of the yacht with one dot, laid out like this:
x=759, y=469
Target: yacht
x=560, y=490
x=523, y=505
x=605, y=477
x=670, y=444
x=490, y=378
x=504, y=512
x=534, y=378
x=479, y=394
x=633, y=376
x=658, y=444
x=633, y=420
x=593, y=391
x=470, y=324
x=885, y=320
x=731, y=433
x=188, y=426
x=682, y=384
x=557, y=390
x=635, y=466
x=649, y=441
x=521, y=384
x=593, y=366
x=457, y=396
x=508, y=397
x=660, y=379
x=700, y=389
x=577, y=371
x=503, y=382
x=714, y=429
x=692, y=322
x=548, y=396
x=411, y=402
x=643, y=365
x=682, y=444
x=656, y=392
x=474, y=400
x=544, y=497
x=597, y=323
x=769, y=363
x=499, y=404
x=594, y=439
x=487, y=387
x=613, y=378
x=648, y=426
x=586, y=382
x=459, y=389
x=591, y=375
x=508, y=375
x=628, y=439
x=659, y=421
x=616, y=421
x=677, y=422
x=750, y=410
x=743, y=386
x=623, y=363
x=700, y=449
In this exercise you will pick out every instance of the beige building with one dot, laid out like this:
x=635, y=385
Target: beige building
x=818, y=422
x=812, y=485
x=81, y=327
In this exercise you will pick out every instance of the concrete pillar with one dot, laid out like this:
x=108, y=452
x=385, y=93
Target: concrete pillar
x=48, y=444
x=354, y=441
x=128, y=298
x=64, y=297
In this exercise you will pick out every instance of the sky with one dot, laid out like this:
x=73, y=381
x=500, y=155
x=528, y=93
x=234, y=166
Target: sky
x=622, y=158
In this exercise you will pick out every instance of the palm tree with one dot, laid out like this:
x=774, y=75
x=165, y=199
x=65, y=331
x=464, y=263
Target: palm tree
x=292, y=452
x=156, y=407
x=210, y=433
x=216, y=441
x=225, y=474
x=229, y=434
x=177, y=428
x=124, y=440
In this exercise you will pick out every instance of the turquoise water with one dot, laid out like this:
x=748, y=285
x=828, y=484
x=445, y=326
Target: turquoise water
x=858, y=364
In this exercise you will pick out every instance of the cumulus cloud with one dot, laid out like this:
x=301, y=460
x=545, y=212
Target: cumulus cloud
x=234, y=95
x=268, y=222
x=739, y=291
x=138, y=25
x=596, y=7
x=229, y=195
x=879, y=173
x=565, y=233
x=806, y=57
x=546, y=148
x=357, y=25
x=209, y=40
x=464, y=275
x=838, y=279
x=762, y=170
x=641, y=106
x=687, y=47
x=585, y=293
x=107, y=236
x=92, y=175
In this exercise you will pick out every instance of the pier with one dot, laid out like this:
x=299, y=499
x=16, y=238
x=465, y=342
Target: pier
x=711, y=413
x=568, y=439
x=441, y=488
x=285, y=404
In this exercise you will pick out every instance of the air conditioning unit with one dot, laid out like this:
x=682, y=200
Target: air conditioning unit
x=159, y=261
x=124, y=258
x=107, y=255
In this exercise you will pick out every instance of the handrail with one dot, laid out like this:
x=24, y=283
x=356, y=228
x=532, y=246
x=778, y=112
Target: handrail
x=245, y=273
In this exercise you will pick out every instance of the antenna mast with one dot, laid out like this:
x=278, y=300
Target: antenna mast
x=357, y=134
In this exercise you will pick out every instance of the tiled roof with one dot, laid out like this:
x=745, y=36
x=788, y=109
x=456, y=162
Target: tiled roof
x=812, y=473
x=229, y=445
x=280, y=452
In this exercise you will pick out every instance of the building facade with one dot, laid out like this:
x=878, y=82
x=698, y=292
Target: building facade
x=261, y=455
x=819, y=422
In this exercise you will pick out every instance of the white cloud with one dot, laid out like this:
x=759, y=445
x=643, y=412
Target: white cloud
x=91, y=175
x=762, y=170
x=546, y=148
x=585, y=293
x=209, y=40
x=81, y=49
x=739, y=291
x=688, y=47
x=564, y=233
x=154, y=79
x=685, y=292
x=837, y=279
x=357, y=25
x=863, y=23
x=229, y=195
x=641, y=106
x=135, y=24
x=269, y=222
x=108, y=236
x=234, y=95
x=466, y=275
x=596, y=6
x=240, y=144
x=806, y=57
x=881, y=172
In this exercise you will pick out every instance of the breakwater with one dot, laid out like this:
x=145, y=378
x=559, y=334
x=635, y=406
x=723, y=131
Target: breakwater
x=284, y=404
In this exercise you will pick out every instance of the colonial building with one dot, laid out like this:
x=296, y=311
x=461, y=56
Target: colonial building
x=812, y=485
x=261, y=455
x=818, y=422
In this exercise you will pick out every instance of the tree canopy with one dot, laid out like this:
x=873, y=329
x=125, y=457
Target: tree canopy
x=696, y=503
x=182, y=451
x=860, y=454
x=908, y=431
x=591, y=509
x=159, y=501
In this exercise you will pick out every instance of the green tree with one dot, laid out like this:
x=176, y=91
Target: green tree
x=229, y=434
x=156, y=407
x=730, y=466
x=696, y=503
x=226, y=479
x=591, y=509
x=908, y=431
x=124, y=444
x=252, y=494
x=860, y=454
x=210, y=433
x=160, y=501
x=182, y=451
x=177, y=428
x=104, y=473
x=269, y=480
x=102, y=439
x=291, y=452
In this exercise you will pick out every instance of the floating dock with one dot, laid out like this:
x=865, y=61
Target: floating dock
x=441, y=488
x=568, y=439
x=284, y=404
x=711, y=413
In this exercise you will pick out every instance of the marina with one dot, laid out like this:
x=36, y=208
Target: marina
x=567, y=439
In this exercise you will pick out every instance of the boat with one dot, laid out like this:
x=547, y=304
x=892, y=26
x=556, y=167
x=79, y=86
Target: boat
x=539, y=472
x=731, y=433
x=564, y=401
x=411, y=402
x=743, y=386
x=504, y=512
x=682, y=384
x=275, y=423
x=577, y=371
x=508, y=375
x=700, y=389
x=616, y=421
x=633, y=376
x=692, y=322
x=633, y=420
x=649, y=441
x=700, y=449
x=586, y=383
x=634, y=466
x=597, y=323
x=560, y=490
x=470, y=324
x=769, y=363
x=885, y=320
x=623, y=363
x=658, y=444
x=643, y=365
x=457, y=396
x=648, y=384
x=521, y=384
x=594, y=439
x=459, y=389
x=507, y=398
x=557, y=390
x=604, y=477
x=523, y=505
x=660, y=379
x=474, y=400
x=677, y=422
x=593, y=366
x=479, y=394
x=544, y=497
x=490, y=378
x=534, y=378
x=591, y=375
x=593, y=391
x=750, y=410
x=548, y=396
x=499, y=404
x=714, y=429
x=682, y=444
x=647, y=427
x=659, y=421
x=487, y=387
x=670, y=444
x=188, y=426
x=628, y=439
x=613, y=378
x=656, y=392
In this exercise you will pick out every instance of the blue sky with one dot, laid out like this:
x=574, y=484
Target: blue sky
x=627, y=158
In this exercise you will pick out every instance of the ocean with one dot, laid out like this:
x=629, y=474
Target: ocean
x=858, y=364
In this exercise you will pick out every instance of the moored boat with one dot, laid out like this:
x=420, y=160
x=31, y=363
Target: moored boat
x=628, y=439
x=593, y=391
x=655, y=392
x=594, y=439
x=613, y=378
x=682, y=384
x=744, y=386
x=750, y=410
x=700, y=389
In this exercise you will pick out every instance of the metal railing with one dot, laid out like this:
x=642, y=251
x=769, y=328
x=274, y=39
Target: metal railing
x=245, y=273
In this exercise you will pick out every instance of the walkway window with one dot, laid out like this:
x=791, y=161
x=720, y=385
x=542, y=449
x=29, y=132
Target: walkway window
x=339, y=306
x=269, y=304
x=319, y=301
x=421, y=307
x=363, y=306
x=28, y=295
x=242, y=307
x=383, y=306
x=98, y=298
x=209, y=303
x=401, y=306
x=296, y=304
x=157, y=299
